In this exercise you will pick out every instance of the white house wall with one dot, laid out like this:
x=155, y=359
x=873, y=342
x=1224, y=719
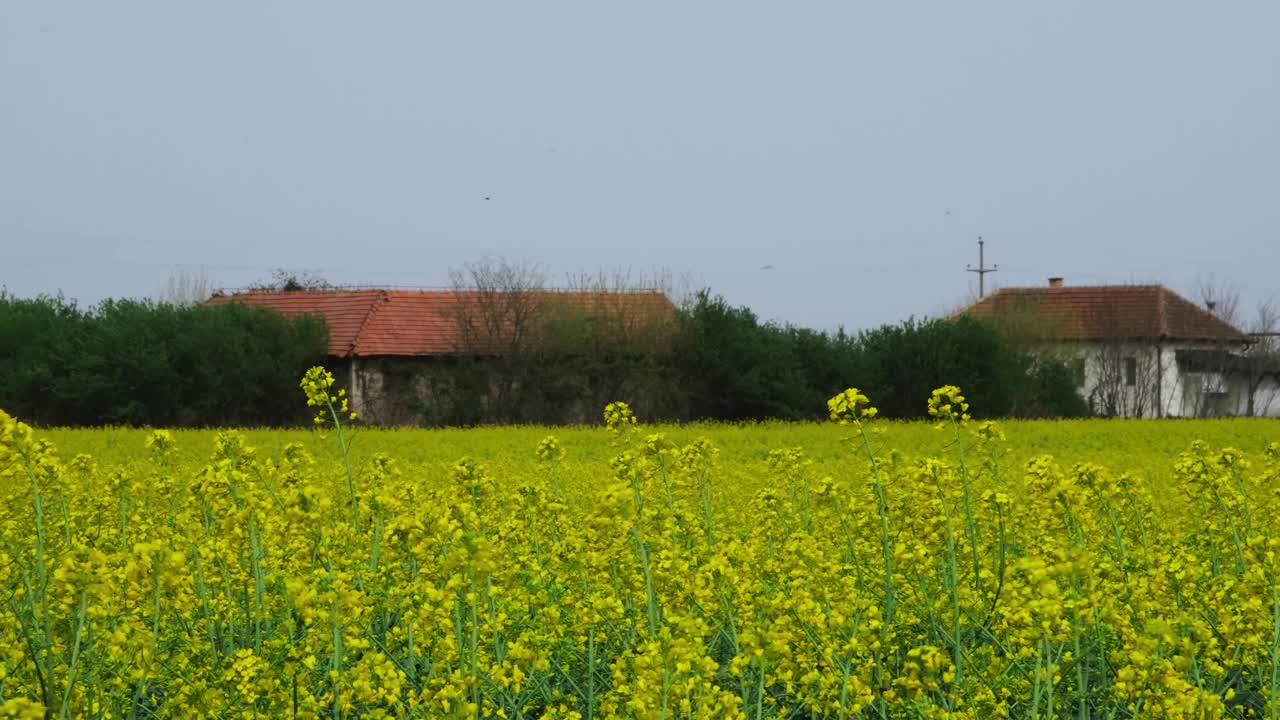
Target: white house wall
x=1172, y=388
x=1095, y=355
x=1266, y=402
x=1266, y=399
x=1178, y=392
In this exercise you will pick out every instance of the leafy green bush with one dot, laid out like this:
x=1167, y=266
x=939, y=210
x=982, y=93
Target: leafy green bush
x=130, y=362
x=737, y=368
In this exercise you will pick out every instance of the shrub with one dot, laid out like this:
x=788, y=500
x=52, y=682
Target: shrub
x=128, y=362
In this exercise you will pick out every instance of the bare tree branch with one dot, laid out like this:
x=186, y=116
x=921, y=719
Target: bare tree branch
x=1220, y=298
x=187, y=287
x=1262, y=359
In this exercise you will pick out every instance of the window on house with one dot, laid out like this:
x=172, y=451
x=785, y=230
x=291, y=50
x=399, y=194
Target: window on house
x=1131, y=371
x=1213, y=383
x=1077, y=371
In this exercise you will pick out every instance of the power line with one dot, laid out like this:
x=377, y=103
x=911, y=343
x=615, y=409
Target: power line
x=982, y=269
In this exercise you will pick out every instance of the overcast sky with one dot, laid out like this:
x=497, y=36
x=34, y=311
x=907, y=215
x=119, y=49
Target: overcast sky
x=824, y=163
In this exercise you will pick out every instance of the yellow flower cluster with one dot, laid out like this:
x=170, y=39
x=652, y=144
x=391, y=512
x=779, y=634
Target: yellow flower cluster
x=549, y=450
x=947, y=403
x=850, y=407
x=618, y=417
x=160, y=442
x=316, y=384
x=676, y=572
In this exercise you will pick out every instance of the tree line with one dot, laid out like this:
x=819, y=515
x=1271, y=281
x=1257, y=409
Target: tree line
x=134, y=362
x=533, y=356
x=525, y=356
x=739, y=368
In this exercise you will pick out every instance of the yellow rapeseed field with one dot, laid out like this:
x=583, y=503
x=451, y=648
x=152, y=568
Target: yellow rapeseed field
x=854, y=569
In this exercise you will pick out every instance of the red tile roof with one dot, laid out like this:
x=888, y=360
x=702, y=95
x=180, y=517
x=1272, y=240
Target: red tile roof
x=1101, y=312
x=413, y=322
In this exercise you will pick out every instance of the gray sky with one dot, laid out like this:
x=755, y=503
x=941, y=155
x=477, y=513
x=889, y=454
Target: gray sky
x=859, y=148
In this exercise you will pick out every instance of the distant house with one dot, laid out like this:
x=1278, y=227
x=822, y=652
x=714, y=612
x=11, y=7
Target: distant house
x=1139, y=350
x=403, y=354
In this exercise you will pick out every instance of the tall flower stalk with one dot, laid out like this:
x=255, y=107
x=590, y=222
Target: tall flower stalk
x=333, y=407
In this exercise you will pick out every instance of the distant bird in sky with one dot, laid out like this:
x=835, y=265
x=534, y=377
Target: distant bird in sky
x=766, y=267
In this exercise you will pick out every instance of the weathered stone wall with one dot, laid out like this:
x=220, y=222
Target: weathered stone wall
x=464, y=391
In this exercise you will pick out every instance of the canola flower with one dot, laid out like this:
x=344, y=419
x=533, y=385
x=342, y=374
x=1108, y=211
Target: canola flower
x=316, y=384
x=851, y=407
x=618, y=417
x=637, y=575
x=948, y=403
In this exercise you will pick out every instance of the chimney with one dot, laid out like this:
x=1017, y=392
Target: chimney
x=1055, y=282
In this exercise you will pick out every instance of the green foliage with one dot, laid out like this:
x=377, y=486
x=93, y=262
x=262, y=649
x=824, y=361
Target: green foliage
x=39, y=342
x=908, y=360
x=127, y=362
x=1054, y=392
x=531, y=357
x=1000, y=380
x=736, y=368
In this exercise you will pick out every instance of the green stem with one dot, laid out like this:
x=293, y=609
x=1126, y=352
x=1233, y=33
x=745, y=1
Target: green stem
x=259, y=585
x=475, y=646
x=151, y=649
x=971, y=526
x=886, y=541
x=75, y=655
x=42, y=572
x=202, y=591
x=591, y=674
x=1082, y=679
x=1275, y=652
x=335, y=663
x=346, y=461
x=760, y=692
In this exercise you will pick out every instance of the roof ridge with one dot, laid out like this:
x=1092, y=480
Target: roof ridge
x=393, y=291
x=380, y=296
x=1100, y=286
x=1148, y=311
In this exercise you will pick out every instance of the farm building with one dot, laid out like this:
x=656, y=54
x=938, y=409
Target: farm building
x=443, y=357
x=1141, y=350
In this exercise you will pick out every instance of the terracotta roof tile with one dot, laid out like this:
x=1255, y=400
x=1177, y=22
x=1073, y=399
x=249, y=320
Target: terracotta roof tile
x=344, y=311
x=1103, y=312
x=409, y=322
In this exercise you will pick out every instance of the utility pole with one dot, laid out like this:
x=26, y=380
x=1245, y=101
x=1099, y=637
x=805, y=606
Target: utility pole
x=982, y=269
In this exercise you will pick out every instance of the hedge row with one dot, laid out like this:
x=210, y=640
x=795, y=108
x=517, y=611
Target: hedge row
x=126, y=362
